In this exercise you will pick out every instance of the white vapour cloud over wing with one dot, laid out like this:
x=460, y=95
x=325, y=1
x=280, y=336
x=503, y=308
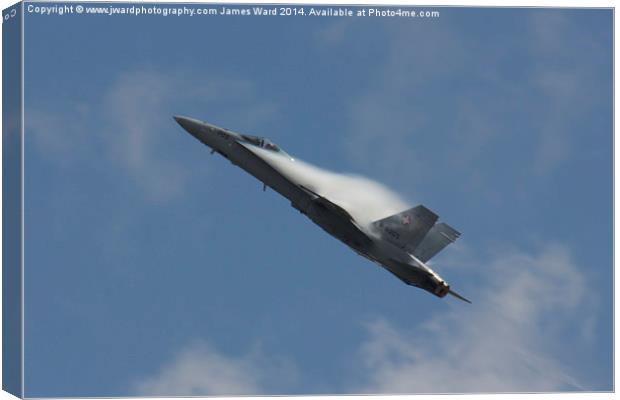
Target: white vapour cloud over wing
x=506, y=341
x=366, y=200
x=131, y=125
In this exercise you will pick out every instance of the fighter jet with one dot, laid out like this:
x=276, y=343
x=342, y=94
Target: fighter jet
x=402, y=243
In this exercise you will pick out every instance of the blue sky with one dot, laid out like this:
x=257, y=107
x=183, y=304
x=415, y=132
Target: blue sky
x=155, y=268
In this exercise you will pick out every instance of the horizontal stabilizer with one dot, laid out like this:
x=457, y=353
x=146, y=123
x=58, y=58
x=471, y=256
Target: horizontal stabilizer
x=408, y=228
x=436, y=240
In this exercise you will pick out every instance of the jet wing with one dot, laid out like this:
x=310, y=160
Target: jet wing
x=318, y=199
x=344, y=225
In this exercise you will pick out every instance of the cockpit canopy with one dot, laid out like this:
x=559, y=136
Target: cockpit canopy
x=262, y=142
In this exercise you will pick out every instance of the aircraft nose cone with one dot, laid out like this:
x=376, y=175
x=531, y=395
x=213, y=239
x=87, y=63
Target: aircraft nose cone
x=189, y=124
x=193, y=126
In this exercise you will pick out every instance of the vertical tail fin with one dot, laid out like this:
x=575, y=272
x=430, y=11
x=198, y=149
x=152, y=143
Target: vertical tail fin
x=415, y=231
x=408, y=228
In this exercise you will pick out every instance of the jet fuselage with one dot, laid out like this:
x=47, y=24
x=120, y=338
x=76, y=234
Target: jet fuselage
x=245, y=152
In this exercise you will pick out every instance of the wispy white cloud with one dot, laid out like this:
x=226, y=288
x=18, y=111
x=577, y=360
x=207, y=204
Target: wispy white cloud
x=387, y=116
x=130, y=125
x=131, y=132
x=505, y=342
x=392, y=119
x=334, y=33
x=509, y=340
x=201, y=370
x=568, y=79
